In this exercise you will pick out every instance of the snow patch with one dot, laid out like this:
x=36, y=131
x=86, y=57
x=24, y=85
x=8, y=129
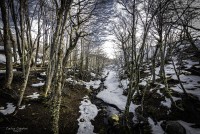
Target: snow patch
x=9, y=110
x=167, y=102
x=4, y=71
x=156, y=128
x=34, y=95
x=1, y=47
x=43, y=74
x=158, y=91
x=190, y=63
x=38, y=84
x=88, y=112
x=2, y=58
x=143, y=83
x=189, y=129
x=22, y=107
x=94, y=84
x=125, y=83
x=92, y=74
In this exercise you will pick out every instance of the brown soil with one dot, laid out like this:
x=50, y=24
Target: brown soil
x=36, y=117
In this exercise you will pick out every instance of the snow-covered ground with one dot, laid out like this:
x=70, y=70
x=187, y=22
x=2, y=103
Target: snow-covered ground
x=156, y=128
x=188, y=128
x=88, y=112
x=190, y=82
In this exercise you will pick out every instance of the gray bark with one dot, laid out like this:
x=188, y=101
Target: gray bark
x=7, y=45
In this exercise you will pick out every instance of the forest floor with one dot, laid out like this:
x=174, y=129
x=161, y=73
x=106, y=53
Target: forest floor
x=34, y=114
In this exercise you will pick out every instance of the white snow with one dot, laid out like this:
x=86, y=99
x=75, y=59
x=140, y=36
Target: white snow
x=69, y=80
x=39, y=78
x=4, y=71
x=162, y=86
x=190, y=63
x=113, y=94
x=88, y=112
x=176, y=98
x=197, y=66
x=43, y=74
x=1, y=47
x=111, y=110
x=143, y=83
x=167, y=102
x=189, y=130
x=156, y=129
x=147, y=71
x=34, y=95
x=22, y=107
x=125, y=83
x=190, y=83
x=94, y=84
x=2, y=58
x=158, y=91
x=9, y=110
x=169, y=69
x=38, y=84
x=195, y=92
x=193, y=79
x=92, y=74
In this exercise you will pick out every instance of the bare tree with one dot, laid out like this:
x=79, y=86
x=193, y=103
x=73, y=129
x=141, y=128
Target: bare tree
x=7, y=45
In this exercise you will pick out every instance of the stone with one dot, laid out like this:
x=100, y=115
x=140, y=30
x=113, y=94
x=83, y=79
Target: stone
x=82, y=120
x=173, y=127
x=113, y=119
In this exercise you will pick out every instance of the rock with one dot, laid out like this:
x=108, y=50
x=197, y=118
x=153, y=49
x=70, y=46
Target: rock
x=125, y=92
x=113, y=119
x=89, y=90
x=173, y=127
x=82, y=120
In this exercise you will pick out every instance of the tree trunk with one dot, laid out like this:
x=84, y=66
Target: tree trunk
x=7, y=45
x=24, y=84
x=57, y=97
x=16, y=29
x=38, y=41
x=53, y=52
x=22, y=26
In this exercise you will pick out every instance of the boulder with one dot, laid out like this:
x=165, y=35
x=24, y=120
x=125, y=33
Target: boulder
x=113, y=119
x=173, y=127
